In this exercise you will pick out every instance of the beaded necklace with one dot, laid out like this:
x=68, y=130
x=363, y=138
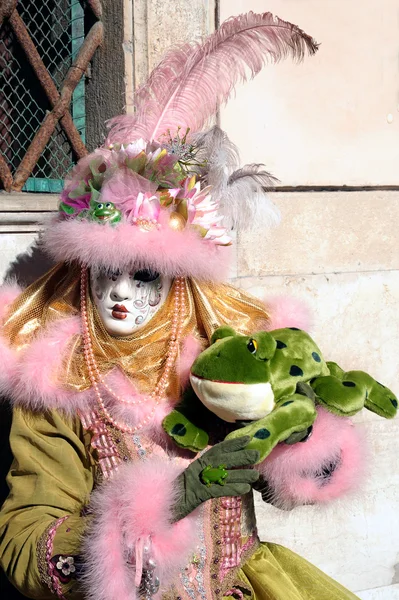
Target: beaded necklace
x=97, y=379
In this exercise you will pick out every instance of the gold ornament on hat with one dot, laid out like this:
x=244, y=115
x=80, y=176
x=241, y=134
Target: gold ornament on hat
x=177, y=221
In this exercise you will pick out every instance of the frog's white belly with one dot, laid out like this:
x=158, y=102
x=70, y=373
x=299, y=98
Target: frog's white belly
x=234, y=401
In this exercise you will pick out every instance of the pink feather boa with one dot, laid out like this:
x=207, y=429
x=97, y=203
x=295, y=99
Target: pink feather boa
x=131, y=511
x=8, y=358
x=34, y=384
x=172, y=253
x=286, y=311
x=30, y=378
x=191, y=348
x=295, y=473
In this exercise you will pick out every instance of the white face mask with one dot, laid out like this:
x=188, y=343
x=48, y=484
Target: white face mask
x=125, y=300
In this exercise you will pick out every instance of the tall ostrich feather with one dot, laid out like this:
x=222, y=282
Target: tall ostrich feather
x=194, y=79
x=244, y=201
x=240, y=192
x=218, y=154
x=254, y=174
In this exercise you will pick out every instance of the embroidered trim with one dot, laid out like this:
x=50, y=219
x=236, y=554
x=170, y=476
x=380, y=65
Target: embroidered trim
x=44, y=558
x=230, y=530
x=223, y=513
x=119, y=439
x=41, y=556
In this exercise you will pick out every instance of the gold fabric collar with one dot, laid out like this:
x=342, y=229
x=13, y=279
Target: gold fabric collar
x=141, y=356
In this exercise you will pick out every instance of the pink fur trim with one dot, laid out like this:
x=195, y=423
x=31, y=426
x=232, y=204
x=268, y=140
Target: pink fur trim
x=192, y=347
x=130, y=511
x=173, y=253
x=294, y=472
x=8, y=357
x=8, y=360
x=288, y=312
x=8, y=293
x=36, y=385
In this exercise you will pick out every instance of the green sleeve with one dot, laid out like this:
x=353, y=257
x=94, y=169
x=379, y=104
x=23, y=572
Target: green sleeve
x=51, y=477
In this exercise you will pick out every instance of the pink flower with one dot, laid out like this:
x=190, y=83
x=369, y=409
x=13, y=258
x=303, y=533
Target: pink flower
x=218, y=235
x=134, y=148
x=147, y=206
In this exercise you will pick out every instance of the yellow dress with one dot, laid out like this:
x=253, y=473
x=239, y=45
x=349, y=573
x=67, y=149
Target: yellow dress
x=52, y=475
x=276, y=573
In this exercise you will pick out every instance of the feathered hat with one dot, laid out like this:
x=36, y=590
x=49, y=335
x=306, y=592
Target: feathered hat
x=161, y=193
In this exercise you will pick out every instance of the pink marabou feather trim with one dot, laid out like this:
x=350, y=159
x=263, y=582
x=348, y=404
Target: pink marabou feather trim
x=36, y=383
x=8, y=357
x=8, y=293
x=288, y=312
x=9, y=361
x=294, y=472
x=173, y=253
x=131, y=510
x=191, y=348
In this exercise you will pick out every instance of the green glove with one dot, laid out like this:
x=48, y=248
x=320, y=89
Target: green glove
x=214, y=475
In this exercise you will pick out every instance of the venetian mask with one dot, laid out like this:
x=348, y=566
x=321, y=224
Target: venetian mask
x=127, y=300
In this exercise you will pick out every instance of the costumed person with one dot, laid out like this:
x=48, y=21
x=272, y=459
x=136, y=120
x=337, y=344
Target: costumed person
x=111, y=496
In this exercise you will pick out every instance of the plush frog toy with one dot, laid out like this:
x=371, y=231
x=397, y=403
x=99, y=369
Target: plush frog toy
x=267, y=386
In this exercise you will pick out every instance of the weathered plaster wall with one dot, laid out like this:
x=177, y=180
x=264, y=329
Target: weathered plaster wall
x=332, y=253
x=334, y=118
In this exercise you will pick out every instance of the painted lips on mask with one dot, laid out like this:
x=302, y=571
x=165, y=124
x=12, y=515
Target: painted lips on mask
x=119, y=311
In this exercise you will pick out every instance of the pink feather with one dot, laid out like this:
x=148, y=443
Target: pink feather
x=192, y=80
x=288, y=311
x=136, y=506
x=295, y=473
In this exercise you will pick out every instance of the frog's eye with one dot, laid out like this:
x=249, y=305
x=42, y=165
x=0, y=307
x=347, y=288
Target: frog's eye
x=252, y=346
x=100, y=205
x=108, y=205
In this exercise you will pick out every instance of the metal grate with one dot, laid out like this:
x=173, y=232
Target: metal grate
x=43, y=55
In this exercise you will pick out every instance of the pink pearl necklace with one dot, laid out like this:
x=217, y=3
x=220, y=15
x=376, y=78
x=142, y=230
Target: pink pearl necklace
x=95, y=376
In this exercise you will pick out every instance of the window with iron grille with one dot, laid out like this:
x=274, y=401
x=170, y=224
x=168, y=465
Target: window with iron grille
x=44, y=54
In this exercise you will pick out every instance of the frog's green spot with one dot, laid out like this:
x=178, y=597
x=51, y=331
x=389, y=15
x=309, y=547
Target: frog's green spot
x=179, y=429
x=262, y=434
x=316, y=357
x=296, y=371
x=349, y=384
x=394, y=402
x=287, y=403
x=280, y=345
